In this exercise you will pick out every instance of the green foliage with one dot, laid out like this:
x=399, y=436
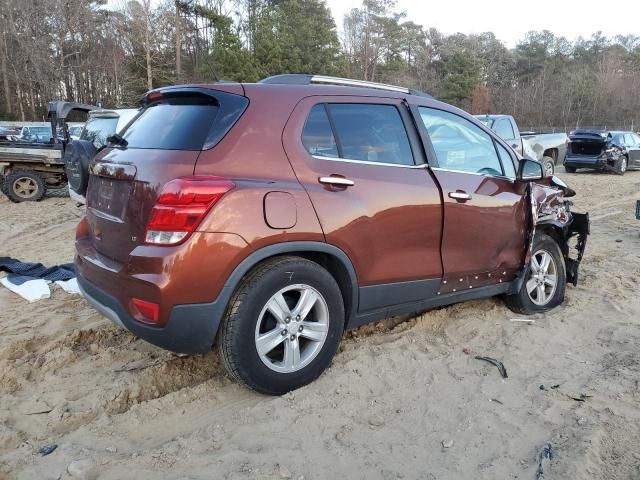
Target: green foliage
x=296, y=36
x=461, y=74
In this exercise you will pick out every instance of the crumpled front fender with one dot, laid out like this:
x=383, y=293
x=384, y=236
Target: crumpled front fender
x=551, y=210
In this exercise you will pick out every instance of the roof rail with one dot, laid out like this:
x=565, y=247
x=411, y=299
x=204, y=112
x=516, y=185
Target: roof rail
x=307, y=79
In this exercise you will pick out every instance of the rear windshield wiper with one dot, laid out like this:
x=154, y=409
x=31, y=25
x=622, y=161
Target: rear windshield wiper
x=117, y=140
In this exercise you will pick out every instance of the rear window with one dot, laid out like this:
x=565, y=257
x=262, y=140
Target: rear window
x=97, y=129
x=504, y=130
x=173, y=124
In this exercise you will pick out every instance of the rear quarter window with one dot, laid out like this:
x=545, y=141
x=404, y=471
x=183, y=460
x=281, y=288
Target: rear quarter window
x=173, y=124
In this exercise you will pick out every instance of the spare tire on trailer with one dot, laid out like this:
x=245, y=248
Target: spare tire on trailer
x=77, y=157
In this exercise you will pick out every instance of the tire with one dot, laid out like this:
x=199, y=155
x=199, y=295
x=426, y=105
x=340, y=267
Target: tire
x=248, y=318
x=569, y=169
x=58, y=192
x=549, y=166
x=527, y=303
x=621, y=165
x=24, y=186
x=77, y=157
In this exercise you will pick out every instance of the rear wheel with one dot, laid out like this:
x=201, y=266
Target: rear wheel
x=621, y=165
x=24, y=186
x=283, y=326
x=549, y=165
x=569, y=169
x=544, y=287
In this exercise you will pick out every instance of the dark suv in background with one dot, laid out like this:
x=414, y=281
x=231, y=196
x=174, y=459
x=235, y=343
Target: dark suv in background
x=267, y=218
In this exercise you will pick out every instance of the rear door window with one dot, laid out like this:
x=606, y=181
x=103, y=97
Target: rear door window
x=628, y=140
x=459, y=144
x=172, y=124
x=370, y=133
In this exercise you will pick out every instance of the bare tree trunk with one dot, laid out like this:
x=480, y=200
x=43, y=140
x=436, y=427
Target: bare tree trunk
x=5, y=77
x=178, y=44
x=147, y=42
x=19, y=94
x=32, y=102
x=117, y=83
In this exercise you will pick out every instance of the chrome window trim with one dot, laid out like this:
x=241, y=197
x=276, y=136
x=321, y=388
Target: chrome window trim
x=501, y=177
x=366, y=162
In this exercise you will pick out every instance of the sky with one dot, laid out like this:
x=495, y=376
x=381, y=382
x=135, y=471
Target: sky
x=511, y=19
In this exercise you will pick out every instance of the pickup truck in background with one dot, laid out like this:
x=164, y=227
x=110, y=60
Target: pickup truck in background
x=34, y=163
x=548, y=148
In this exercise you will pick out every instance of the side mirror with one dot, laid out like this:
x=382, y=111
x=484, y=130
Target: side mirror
x=530, y=170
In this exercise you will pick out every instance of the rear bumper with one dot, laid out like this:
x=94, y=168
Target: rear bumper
x=584, y=161
x=190, y=329
x=187, y=282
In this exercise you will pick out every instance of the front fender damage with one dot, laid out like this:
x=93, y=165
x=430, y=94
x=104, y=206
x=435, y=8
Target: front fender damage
x=551, y=212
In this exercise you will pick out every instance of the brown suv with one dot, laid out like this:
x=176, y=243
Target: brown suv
x=267, y=218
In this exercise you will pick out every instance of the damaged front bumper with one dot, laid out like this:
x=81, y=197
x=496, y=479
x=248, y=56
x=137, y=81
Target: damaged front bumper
x=551, y=212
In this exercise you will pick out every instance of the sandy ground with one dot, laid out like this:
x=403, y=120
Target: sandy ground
x=119, y=408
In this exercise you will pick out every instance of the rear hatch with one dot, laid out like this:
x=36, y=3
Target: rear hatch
x=587, y=143
x=163, y=143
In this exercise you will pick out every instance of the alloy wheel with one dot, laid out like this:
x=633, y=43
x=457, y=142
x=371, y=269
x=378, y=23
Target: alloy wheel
x=292, y=328
x=543, y=278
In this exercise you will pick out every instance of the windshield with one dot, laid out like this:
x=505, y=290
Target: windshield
x=487, y=121
x=97, y=129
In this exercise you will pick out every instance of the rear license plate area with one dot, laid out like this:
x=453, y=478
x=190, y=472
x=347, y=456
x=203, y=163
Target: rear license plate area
x=111, y=197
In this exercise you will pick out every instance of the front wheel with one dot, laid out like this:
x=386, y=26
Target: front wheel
x=544, y=287
x=283, y=326
x=569, y=169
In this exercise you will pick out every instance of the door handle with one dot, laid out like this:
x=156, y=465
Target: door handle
x=337, y=181
x=460, y=196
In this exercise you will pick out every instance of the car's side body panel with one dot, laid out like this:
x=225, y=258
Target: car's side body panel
x=388, y=222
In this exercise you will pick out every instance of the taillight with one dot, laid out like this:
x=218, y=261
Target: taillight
x=82, y=230
x=182, y=205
